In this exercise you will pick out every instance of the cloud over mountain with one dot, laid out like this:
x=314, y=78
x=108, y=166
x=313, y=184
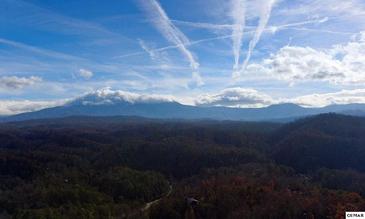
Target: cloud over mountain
x=235, y=97
x=231, y=97
x=341, y=97
x=10, y=107
x=108, y=96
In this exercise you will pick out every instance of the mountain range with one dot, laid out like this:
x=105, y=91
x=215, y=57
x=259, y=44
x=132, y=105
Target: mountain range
x=123, y=104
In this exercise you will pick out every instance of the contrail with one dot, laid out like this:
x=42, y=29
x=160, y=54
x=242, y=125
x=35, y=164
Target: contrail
x=176, y=46
x=274, y=28
x=302, y=23
x=44, y=52
x=264, y=18
x=201, y=25
x=239, y=22
x=210, y=26
x=151, y=52
x=171, y=33
x=323, y=31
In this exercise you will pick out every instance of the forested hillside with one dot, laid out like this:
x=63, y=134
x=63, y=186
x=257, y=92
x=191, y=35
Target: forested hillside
x=110, y=167
x=330, y=140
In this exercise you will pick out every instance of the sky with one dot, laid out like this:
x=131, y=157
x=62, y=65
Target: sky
x=235, y=53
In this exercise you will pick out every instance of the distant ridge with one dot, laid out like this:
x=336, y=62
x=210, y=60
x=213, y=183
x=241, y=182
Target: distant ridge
x=174, y=110
x=119, y=103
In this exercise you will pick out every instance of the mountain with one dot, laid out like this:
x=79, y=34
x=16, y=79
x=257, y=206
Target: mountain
x=118, y=103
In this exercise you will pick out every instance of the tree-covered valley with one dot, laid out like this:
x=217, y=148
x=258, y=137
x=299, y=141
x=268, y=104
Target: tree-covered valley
x=129, y=167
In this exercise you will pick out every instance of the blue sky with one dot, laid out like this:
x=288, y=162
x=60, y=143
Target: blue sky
x=237, y=53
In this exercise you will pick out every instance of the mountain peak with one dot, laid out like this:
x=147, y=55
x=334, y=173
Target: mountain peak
x=285, y=106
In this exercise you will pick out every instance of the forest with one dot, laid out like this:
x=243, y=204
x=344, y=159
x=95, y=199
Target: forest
x=130, y=167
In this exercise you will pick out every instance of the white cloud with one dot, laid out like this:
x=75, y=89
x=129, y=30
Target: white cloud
x=341, y=97
x=11, y=107
x=86, y=74
x=235, y=97
x=15, y=83
x=341, y=65
x=165, y=26
x=304, y=63
x=109, y=96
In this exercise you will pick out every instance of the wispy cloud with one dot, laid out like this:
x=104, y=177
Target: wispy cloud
x=160, y=57
x=322, y=31
x=45, y=19
x=249, y=28
x=264, y=19
x=171, y=33
x=150, y=51
x=15, y=83
x=39, y=51
x=22, y=57
x=239, y=21
x=352, y=9
x=11, y=107
x=155, y=54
